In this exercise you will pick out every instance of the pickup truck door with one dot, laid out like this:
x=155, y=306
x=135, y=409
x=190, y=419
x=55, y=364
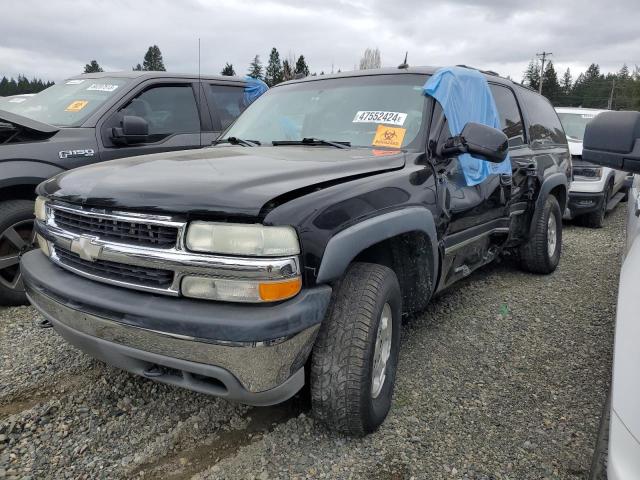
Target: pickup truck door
x=176, y=116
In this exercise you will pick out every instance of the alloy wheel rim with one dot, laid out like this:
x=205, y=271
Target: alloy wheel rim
x=382, y=350
x=551, y=235
x=16, y=240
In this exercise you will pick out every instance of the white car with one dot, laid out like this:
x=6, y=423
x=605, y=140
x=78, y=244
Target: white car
x=614, y=140
x=594, y=189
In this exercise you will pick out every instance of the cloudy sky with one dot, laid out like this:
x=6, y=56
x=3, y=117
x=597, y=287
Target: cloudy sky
x=54, y=39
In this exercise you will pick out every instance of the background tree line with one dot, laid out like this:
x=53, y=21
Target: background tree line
x=618, y=91
x=590, y=89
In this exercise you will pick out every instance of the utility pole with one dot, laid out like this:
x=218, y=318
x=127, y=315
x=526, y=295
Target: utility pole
x=610, y=103
x=543, y=55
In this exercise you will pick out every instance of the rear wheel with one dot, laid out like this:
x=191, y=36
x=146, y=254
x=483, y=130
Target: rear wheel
x=354, y=360
x=541, y=254
x=17, y=236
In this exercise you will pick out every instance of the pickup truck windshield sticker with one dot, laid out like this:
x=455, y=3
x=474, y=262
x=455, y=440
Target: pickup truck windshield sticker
x=588, y=116
x=102, y=87
x=17, y=100
x=76, y=106
x=76, y=81
x=393, y=118
x=388, y=136
x=87, y=152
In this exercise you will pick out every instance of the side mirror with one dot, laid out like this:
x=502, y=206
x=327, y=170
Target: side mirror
x=478, y=140
x=133, y=130
x=612, y=139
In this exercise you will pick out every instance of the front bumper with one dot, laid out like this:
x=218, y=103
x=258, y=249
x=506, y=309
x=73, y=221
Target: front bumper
x=623, y=461
x=583, y=202
x=248, y=353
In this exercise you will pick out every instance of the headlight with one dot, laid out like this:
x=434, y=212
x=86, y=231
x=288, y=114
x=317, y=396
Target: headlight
x=240, y=290
x=40, y=208
x=237, y=239
x=590, y=173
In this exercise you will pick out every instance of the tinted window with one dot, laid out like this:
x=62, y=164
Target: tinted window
x=226, y=102
x=545, y=127
x=167, y=109
x=509, y=112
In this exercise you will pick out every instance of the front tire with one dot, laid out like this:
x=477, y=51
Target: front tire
x=354, y=360
x=596, y=219
x=541, y=254
x=16, y=238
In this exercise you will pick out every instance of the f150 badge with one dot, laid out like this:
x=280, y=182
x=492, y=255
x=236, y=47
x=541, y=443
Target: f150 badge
x=87, y=152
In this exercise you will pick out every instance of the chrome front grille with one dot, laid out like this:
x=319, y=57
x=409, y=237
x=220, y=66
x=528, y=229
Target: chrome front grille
x=117, y=272
x=130, y=231
x=141, y=251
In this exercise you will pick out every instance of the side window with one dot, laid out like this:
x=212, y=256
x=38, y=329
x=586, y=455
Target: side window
x=510, y=118
x=545, y=127
x=167, y=109
x=226, y=102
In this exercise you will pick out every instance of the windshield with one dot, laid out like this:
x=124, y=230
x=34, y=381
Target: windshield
x=575, y=123
x=368, y=111
x=67, y=104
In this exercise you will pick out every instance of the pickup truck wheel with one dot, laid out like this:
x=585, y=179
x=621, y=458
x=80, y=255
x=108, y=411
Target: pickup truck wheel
x=541, y=254
x=354, y=359
x=596, y=219
x=16, y=237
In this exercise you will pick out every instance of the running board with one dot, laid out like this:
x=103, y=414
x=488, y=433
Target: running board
x=617, y=198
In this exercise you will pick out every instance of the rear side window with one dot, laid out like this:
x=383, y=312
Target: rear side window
x=510, y=118
x=226, y=102
x=168, y=109
x=545, y=127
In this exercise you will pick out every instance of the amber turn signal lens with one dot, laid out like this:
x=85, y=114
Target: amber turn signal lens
x=274, y=291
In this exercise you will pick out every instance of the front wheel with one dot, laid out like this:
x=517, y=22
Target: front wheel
x=354, y=360
x=541, y=254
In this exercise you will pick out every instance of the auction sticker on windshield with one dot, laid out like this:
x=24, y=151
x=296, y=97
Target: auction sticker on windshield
x=388, y=136
x=102, y=87
x=76, y=106
x=393, y=118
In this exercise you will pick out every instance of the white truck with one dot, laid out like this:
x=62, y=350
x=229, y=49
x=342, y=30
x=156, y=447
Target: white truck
x=595, y=189
x=613, y=140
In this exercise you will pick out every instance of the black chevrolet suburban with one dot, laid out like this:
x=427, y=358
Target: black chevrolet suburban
x=92, y=118
x=289, y=252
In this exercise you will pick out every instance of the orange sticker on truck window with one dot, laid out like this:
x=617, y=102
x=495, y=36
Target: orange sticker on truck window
x=76, y=106
x=388, y=136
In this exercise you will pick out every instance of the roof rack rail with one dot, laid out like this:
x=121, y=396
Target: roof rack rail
x=486, y=72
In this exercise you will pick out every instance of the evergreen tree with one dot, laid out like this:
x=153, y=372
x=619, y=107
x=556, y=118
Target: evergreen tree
x=531, y=77
x=255, y=68
x=550, y=85
x=9, y=86
x=273, y=74
x=228, y=70
x=92, y=67
x=302, y=67
x=567, y=83
x=287, y=73
x=153, y=60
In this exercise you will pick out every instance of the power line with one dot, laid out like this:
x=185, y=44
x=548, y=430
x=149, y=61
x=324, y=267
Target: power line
x=544, y=57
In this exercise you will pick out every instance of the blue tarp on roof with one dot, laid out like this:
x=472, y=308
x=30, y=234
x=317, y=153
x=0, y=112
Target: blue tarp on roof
x=452, y=87
x=253, y=89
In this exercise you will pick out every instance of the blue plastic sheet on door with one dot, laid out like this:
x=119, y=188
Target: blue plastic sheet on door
x=465, y=96
x=253, y=89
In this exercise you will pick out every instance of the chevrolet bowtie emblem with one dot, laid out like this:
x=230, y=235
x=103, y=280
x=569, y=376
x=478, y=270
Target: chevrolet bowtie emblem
x=85, y=247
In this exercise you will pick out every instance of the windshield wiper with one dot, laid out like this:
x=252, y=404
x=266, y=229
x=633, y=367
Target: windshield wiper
x=237, y=141
x=311, y=141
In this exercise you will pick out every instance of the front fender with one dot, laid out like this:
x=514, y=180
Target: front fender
x=551, y=182
x=343, y=247
x=26, y=172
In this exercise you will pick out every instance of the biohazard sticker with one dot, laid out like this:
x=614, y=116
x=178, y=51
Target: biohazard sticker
x=388, y=136
x=102, y=87
x=392, y=118
x=76, y=106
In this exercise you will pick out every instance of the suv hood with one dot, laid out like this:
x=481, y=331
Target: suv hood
x=227, y=181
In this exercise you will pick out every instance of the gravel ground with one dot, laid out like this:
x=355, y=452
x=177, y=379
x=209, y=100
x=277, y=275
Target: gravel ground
x=503, y=377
